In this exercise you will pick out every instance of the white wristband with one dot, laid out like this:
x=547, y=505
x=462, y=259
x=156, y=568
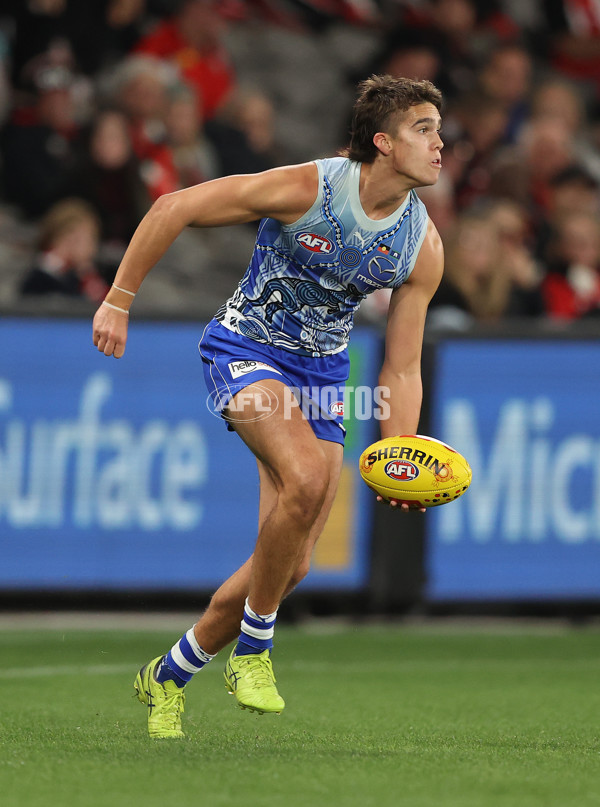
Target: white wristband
x=118, y=288
x=115, y=307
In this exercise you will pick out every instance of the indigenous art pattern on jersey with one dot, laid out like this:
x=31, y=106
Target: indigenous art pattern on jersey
x=306, y=280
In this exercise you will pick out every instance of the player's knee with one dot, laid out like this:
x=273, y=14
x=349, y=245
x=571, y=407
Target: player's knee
x=300, y=573
x=304, y=491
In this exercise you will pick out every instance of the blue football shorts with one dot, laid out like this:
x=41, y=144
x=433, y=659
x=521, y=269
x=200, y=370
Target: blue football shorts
x=232, y=362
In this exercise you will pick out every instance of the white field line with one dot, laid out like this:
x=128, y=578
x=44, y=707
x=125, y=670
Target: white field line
x=325, y=667
x=98, y=621
x=180, y=621
x=64, y=669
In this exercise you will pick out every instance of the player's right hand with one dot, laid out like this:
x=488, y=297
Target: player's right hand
x=110, y=331
x=395, y=504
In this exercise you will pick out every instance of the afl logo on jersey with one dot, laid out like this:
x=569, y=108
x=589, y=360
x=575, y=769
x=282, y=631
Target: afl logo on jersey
x=314, y=242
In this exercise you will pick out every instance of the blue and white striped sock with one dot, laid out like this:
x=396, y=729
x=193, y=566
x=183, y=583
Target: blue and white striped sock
x=257, y=632
x=183, y=660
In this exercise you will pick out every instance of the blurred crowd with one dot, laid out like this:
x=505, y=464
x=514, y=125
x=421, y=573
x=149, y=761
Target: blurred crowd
x=107, y=104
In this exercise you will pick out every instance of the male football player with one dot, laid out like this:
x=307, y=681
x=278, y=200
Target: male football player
x=331, y=231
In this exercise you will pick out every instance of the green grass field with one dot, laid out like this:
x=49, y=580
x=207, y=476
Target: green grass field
x=376, y=716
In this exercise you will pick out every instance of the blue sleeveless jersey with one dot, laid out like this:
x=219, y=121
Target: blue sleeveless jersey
x=305, y=280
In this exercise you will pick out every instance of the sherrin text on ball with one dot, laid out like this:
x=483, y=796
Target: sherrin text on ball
x=415, y=470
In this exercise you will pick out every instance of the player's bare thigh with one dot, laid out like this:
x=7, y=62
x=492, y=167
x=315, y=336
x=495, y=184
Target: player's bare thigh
x=278, y=434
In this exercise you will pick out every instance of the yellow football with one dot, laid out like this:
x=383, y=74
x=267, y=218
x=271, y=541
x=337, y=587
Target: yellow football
x=415, y=470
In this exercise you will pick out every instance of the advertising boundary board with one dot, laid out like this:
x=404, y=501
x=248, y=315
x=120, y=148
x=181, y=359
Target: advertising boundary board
x=116, y=476
x=525, y=414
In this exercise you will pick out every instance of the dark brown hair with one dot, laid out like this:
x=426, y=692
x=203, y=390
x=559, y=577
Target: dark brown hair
x=381, y=100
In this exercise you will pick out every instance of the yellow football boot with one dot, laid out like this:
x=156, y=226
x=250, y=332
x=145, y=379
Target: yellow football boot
x=164, y=701
x=250, y=678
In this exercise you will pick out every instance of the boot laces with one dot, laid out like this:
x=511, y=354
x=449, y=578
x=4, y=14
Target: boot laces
x=260, y=670
x=172, y=706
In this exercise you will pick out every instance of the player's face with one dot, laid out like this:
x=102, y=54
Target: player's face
x=417, y=145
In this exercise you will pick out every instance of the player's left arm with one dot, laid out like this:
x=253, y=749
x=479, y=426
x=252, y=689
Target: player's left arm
x=401, y=369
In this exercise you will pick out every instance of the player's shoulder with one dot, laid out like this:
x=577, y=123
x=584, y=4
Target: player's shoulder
x=297, y=174
x=433, y=240
x=336, y=169
x=429, y=265
x=292, y=177
x=284, y=193
x=334, y=163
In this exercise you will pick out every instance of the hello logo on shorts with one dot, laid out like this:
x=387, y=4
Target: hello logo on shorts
x=244, y=366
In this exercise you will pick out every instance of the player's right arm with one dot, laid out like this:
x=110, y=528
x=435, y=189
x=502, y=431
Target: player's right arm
x=284, y=194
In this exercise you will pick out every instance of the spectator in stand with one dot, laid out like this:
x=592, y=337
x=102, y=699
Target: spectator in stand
x=572, y=190
x=417, y=58
x=548, y=149
x=67, y=247
x=141, y=87
x=525, y=172
x=107, y=174
x=471, y=289
x=37, y=143
x=238, y=144
x=467, y=30
x=409, y=51
x=299, y=15
x=252, y=115
x=194, y=155
x=572, y=284
x=490, y=272
x=255, y=117
x=191, y=40
x=556, y=98
x=517, y=261
x=458, y=32
x=507, y=76
x=573, y=28
x=96, y=32
x=481, y=121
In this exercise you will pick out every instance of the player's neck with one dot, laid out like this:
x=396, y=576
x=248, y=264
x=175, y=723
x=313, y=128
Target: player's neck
x=381, y=192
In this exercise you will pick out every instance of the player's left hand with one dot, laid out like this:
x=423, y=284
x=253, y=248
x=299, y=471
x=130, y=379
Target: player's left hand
x=396, y=505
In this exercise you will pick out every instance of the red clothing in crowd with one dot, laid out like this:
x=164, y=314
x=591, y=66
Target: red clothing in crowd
x=579, y=55
x=209, y=73
x=567, y=297
x=157, y=167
